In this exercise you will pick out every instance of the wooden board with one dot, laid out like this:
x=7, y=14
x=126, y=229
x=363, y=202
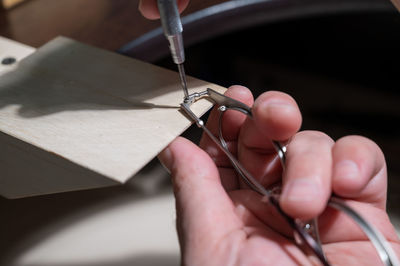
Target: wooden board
x=77, y=117
x=11, y=49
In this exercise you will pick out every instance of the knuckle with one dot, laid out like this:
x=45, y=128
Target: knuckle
x=360, y=146
x=311, y=138
x=359, y=142
x=314, y=135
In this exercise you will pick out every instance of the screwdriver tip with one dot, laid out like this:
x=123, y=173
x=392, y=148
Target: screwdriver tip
x=183, y=79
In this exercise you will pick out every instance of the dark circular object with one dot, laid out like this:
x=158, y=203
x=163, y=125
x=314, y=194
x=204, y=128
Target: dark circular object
x=8, y=61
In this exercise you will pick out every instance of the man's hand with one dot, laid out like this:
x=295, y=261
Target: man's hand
x=149, y=8
x=221, y=222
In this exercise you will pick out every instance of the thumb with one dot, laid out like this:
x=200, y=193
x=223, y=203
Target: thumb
x=205, y=213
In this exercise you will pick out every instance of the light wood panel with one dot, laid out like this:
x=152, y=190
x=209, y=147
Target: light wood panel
x=76, y=117
x=12, y=49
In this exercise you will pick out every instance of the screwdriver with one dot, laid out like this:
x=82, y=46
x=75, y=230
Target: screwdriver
x=172, y=27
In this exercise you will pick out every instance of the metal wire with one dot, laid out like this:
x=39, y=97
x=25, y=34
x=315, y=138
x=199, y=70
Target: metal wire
x=383, y=248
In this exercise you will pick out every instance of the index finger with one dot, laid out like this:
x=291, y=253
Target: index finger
x=231, y=123
x=276, y=116
x=149, y=8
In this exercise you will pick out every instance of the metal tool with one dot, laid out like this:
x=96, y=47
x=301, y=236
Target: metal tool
x=305, y=234
x=172, y=26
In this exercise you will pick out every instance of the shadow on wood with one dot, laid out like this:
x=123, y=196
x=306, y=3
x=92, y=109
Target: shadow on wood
x=76, y=117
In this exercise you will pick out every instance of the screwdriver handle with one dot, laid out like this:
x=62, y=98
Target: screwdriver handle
x=172, y=26
x=170, y=18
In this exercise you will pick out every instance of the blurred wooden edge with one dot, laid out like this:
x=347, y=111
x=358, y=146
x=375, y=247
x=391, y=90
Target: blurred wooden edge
x=8, y=4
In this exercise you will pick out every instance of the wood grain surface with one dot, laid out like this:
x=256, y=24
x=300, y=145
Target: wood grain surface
x=76, y=117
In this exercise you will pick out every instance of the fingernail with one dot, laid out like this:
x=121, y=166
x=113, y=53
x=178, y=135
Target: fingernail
x=165, y=158
x=273, y=106
x=346, y=169
x=302, y=189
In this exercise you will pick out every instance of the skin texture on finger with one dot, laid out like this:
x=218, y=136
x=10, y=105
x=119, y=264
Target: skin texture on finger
x=213, y=231
x=359, y=171
x=217, y=228
x=229, y=178
x=261, y=161
x=336, y=226
x=232, y=120
x=266, y=247
x=260, y=208
x=276, y=117
x=231, y=124
x=355, y=253
x=203, y=207
x=263, y=244
x=149, y=8
x=307, y=178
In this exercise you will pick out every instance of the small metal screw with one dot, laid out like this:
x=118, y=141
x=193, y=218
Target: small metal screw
x=222, y=108
x=8, y=61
